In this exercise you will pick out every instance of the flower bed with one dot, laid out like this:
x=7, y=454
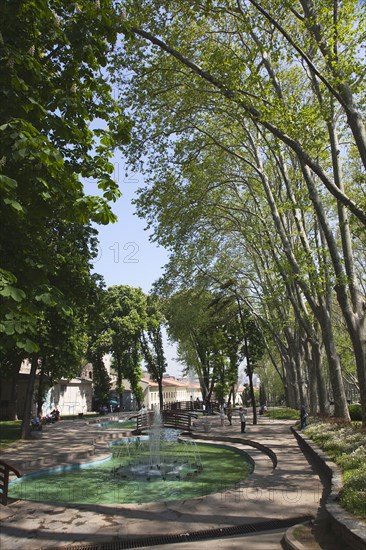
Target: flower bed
x=346, y=446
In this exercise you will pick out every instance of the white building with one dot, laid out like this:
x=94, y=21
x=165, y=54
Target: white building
x=70, y=397
x=173, y=391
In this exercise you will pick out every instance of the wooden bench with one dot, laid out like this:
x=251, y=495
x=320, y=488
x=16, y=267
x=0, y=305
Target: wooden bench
x=5, y=470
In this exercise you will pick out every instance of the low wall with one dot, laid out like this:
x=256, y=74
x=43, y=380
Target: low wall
x=349, y=529
x=263, y=448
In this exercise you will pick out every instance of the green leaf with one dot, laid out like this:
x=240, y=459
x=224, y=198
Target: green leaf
x=7, y=183
x=14, y=204
x=46, y=298
x=11, y=292
x=28, y=345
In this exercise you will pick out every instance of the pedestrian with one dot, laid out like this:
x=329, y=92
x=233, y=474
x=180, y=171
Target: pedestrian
x=303, y=416
x=243, y=418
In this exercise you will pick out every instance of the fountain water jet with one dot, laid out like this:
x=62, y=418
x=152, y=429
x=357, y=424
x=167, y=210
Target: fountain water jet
x=157, y=457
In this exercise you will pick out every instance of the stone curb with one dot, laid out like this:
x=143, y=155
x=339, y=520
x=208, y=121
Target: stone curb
x=289, y=542
x=349, y=529
x=242, y=441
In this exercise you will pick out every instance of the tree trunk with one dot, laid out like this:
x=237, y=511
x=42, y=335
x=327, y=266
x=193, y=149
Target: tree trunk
x=312, y=379
x=290, y=385
x=119, y=383
x=356, y=325
x=355, y=316
x=316, y=353
x=13, y=405
x=292, y=371
x=359, y=346
x=301, y=375
x=262, y=394
x=41, y=389
x=334, y=364
x=295, y=383
x=161, y=398
x=27, y=411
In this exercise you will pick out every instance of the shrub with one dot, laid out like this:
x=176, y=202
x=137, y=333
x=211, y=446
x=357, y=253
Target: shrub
x=355, y=411
x=354, y=501
x=285, y=413
x=353, y=496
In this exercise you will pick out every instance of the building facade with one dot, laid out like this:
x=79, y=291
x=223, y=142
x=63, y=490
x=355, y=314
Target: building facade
x=174, y=390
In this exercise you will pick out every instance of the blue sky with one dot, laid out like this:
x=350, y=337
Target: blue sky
x=126, y=256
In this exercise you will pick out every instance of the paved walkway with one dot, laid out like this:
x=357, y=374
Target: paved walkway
x=291, y=490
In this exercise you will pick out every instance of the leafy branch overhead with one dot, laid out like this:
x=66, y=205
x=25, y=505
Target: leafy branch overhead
x=59, y=125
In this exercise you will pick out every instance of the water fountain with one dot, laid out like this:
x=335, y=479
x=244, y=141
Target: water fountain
x=160, y=466
x=160, y=456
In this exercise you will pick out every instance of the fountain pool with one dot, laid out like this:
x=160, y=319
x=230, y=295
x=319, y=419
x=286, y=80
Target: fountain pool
x=112, y=481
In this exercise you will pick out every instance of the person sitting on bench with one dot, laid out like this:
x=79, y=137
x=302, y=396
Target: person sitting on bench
x=36, y=423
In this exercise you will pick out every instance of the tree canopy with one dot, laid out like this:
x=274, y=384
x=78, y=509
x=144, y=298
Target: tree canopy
x=250, y=121
x=55, y=99
x=59, y=124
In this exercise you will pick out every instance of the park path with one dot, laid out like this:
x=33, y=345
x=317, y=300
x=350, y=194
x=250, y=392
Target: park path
x=289, y=491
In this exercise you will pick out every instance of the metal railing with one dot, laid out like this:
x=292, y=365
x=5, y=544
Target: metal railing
x=5, y=470
x=193, y=405
x=180, y=420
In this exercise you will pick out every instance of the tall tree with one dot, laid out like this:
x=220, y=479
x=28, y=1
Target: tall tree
x=124, y=319
x=54, y=93
x=153, y=346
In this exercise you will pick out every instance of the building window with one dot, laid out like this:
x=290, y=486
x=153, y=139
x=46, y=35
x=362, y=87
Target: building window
x=90, y=374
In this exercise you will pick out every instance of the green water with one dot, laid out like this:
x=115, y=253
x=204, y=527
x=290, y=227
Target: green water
x=222, y=468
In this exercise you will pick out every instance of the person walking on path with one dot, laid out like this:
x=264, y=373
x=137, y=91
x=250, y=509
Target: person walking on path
x=303, y=416
x=243, y=418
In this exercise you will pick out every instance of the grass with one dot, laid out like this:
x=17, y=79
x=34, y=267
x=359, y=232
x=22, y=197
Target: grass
x=115, y=424
x=9, y=432
x=283, y=413
x=76, y=416
x=346, y=445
